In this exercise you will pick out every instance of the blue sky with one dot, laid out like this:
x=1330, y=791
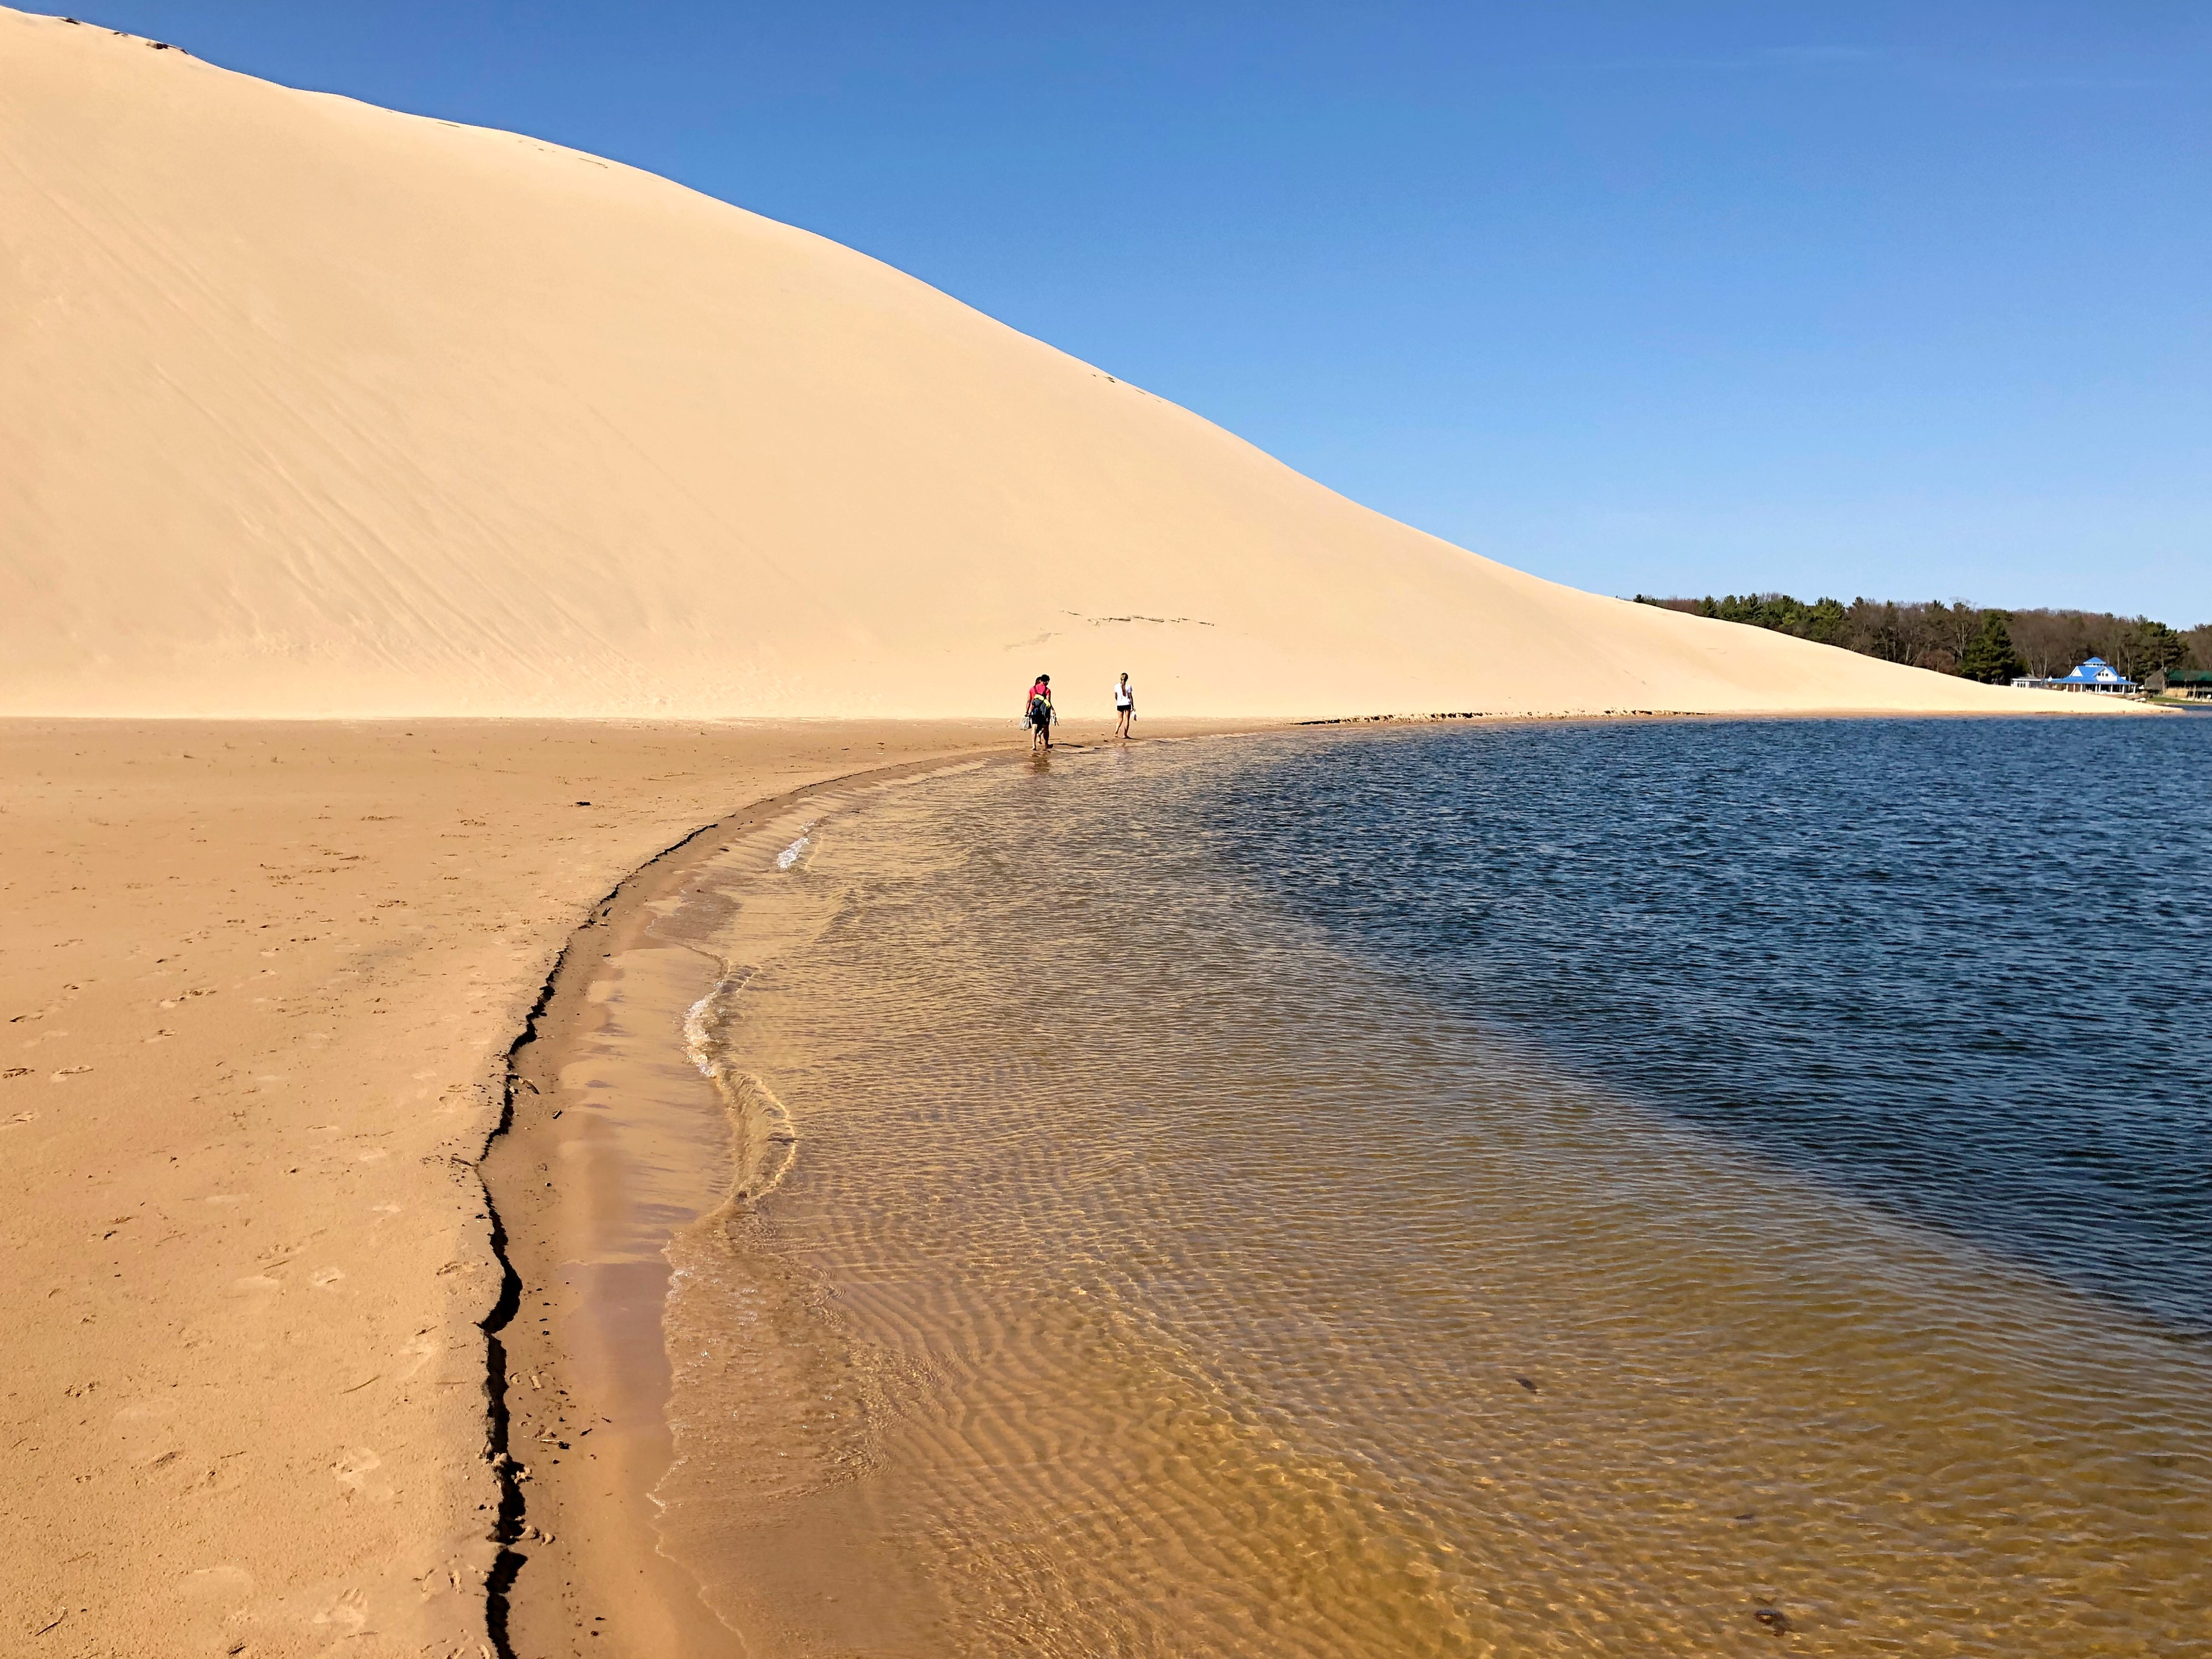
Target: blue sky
x=1900, y=300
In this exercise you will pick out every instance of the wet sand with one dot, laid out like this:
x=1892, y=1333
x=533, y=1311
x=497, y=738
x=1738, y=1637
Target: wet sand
x=260, y=982
x=616, y=1144
x=618, y=1149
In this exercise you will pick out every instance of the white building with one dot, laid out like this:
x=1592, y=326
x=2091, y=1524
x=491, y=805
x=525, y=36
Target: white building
x=2094, y=675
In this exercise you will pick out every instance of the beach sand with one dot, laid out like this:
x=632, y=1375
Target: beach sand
x=260, y=983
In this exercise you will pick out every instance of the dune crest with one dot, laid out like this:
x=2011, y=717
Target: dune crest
x=308, y=408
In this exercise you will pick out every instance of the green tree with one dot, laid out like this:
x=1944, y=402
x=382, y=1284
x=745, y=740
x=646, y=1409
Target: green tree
x=1825, y=622
x=2144, y=646
x=1988, y=656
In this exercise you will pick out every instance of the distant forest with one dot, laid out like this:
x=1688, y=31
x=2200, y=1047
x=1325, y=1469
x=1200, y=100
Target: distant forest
x=1963, y=638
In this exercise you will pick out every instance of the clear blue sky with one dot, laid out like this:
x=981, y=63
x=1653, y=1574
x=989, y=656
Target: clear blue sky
x=1908, y=300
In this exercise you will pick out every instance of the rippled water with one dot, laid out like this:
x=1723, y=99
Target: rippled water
x=1957, y=964
x=1271, y=1198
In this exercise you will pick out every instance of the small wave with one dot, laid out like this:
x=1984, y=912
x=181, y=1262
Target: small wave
x=767, y=1140
x=698, y=1035
x=792, y=853
x=764, y=1138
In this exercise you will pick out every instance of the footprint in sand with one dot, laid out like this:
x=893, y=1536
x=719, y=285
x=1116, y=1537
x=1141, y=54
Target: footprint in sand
x=348, y=1613
x=326, y=1277
x=419, y=1352
x=355, y=1469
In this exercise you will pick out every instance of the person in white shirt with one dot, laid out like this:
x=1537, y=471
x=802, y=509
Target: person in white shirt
x=1125, y=708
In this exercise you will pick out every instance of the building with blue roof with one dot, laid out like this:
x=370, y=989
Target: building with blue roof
x=2094, y=675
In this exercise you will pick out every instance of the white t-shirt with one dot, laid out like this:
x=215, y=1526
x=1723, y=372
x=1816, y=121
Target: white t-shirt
x=1124, y=697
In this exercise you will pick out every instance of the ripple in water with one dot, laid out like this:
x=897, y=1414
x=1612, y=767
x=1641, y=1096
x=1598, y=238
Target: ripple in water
x=1955, y=964
x=1197, y=1252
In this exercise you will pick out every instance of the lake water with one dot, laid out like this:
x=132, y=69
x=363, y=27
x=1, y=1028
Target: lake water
x=1677, y=1187
x=1955, y=966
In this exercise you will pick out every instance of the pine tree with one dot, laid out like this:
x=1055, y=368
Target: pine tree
x=1988, y=656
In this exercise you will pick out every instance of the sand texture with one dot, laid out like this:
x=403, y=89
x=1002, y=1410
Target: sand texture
x=308, y=408
x=259, y=984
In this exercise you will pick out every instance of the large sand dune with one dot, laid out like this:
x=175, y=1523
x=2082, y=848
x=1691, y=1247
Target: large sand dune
x=308, y=408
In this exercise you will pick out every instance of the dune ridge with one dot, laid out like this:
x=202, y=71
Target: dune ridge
x=310, y=409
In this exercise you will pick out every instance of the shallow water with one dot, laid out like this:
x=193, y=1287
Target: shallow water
x=1239, y=1199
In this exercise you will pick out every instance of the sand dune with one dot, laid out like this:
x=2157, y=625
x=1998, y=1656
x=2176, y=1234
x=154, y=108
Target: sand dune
x=308, y=408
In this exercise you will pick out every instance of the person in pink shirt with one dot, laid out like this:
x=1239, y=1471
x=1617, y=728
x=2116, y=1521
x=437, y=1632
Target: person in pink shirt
x=1039, y=716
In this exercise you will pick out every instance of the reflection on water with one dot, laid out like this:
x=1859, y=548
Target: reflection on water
x=1159, y=1273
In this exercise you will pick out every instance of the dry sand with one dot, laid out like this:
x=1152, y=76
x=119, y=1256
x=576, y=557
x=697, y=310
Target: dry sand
x=309, y=408
x=260, y=982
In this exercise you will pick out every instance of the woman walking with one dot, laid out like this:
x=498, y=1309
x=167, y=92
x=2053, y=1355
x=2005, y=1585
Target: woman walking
x=1125, y=708
x=1039, y=717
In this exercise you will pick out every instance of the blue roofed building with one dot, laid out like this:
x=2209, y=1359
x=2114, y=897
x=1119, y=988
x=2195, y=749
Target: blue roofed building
x=2094, y=675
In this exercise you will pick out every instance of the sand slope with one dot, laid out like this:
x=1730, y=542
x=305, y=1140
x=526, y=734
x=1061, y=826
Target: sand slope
x=309, y=408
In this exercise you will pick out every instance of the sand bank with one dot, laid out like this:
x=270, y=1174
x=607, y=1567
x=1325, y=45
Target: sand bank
x=260, y=983
x=618, y=1142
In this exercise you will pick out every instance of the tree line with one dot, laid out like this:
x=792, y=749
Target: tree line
x=1967, y=639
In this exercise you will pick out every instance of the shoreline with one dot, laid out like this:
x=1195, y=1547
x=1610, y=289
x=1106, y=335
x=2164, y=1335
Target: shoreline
x=579, y=1556
x=263, y=981
x=266, y=983
x=603, y=1551
x=1595, y=716
x=652, y=1605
